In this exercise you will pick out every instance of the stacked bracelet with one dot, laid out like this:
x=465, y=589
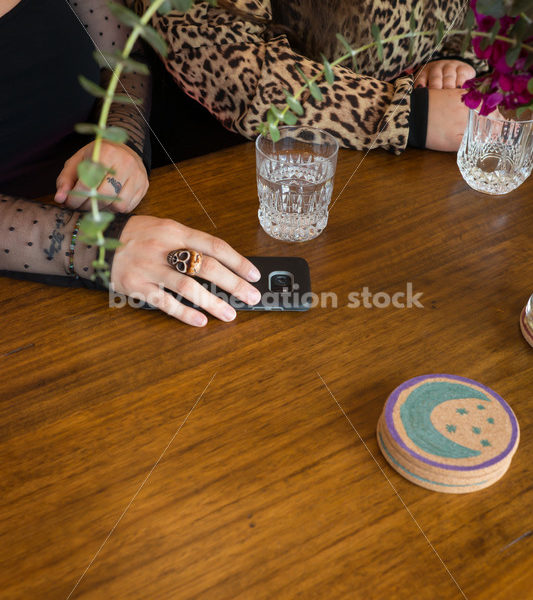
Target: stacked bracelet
x=72, y=246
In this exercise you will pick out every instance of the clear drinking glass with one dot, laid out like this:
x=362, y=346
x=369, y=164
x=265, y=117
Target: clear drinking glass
x=295, y=182
x=496, y=154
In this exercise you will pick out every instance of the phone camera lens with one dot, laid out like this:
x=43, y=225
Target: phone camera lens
x=281, y=283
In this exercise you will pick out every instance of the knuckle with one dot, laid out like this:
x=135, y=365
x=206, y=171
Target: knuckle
x=185, y=286
x=219, y=246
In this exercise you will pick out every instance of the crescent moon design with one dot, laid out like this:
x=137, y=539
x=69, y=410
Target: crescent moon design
x=416, y=411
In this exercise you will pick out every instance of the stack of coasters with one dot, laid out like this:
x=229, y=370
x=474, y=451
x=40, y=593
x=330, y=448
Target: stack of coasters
x=448, y=433
x=526, y=326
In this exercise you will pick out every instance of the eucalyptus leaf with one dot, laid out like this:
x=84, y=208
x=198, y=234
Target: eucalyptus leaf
x=109, y=244
x=113, y=134
x=150, y=36
x=276, y=112
x=521, y=6
x=289, y=118
x=274, y=132
x=349, y=50
x=511, y=56
x=376, y=34
x=492, y=8
x=520, y=29
x=165, y=8
x=465, y=44
x=271, y=117
x=530, y=86
x=315, y=90
x=124, y=15
x=100, y=265
x=113, y=59
x=328, y=70
x=412, y=23
x=262, y=129
x=91, y=173
x=439, y=34
x=411, y=49
x=293, y=103
x=181, y=5
x=470, y=19
x=123, y=99
x=91, y=87
x=91, y=227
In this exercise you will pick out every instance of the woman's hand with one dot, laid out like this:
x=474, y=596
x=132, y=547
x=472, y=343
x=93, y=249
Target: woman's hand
x=129, y=182
x=444, y=74
x=140, y=270
x=447, y=117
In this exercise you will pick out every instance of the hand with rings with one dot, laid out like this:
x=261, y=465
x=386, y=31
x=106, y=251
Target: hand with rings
x=161, y=253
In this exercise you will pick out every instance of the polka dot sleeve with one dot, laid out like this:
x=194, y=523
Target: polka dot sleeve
x=36, y=238
x=108, y=34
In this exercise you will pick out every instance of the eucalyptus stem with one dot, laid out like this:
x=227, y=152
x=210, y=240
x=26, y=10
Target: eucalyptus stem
x=395, y=38
x=104, y=114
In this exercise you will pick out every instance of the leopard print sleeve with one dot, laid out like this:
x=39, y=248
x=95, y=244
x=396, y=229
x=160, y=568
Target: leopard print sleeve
x=225, y=60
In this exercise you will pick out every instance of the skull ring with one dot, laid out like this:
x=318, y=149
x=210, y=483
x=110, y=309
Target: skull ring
x=185, y=261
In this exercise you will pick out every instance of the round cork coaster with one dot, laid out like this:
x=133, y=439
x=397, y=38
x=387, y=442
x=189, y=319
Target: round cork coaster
x=448, y=433
x=525, y=327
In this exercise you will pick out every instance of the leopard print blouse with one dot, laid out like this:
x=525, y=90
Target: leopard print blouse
x=232, y=61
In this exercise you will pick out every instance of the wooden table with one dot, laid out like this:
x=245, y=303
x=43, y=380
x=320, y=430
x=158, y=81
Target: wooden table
x=145, y=459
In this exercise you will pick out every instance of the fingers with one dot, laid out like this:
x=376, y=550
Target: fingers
x=167, y=303
x=67, y=178
x=435, y=77
x=464, y=73
x=194, y=292
x=449, y=76
x=225, y=279
x=76, y=202
x=222, y=251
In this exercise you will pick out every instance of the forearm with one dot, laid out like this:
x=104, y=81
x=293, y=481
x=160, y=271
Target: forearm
x=36, y=238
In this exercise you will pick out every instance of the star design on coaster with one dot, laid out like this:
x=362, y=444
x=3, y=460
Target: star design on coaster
x=462, y=411
x=490, y=420
x=476, y=430
x=451, y=428
x=480, y=407
x=485, y=443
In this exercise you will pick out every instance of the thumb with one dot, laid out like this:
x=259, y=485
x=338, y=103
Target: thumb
x=67, y=178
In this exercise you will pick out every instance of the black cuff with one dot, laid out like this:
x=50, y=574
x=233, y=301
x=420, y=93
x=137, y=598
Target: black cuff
x=114, y=231
x=418, y=118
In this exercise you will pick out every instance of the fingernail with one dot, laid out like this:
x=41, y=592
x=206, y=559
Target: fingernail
x=200, y=320
x=254, y=297
x=60, y=197
x=254, y=275
x=229, y=313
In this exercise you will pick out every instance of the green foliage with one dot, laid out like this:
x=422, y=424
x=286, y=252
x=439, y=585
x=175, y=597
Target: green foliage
x=113, y=134
x=91, y=87
x=512, y=55
x=376, y=34
x=113, y=59
x=439, y=33
x=91, y=173
x=311, y=85
x=328, y=71
x=293, y=103
x=349, y=50
x=149, y=34
x=493, y=8
x=92, y=227
x=274, y=132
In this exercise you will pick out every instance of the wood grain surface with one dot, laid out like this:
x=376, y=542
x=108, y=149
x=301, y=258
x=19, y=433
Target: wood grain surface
x=145, y=459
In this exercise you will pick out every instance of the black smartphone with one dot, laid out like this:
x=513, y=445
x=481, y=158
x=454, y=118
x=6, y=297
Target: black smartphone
x=285, y=284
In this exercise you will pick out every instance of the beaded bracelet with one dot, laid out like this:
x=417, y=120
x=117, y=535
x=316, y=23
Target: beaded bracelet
x=72, y=245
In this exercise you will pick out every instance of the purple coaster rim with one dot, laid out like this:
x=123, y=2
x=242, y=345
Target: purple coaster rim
x=393, y=398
